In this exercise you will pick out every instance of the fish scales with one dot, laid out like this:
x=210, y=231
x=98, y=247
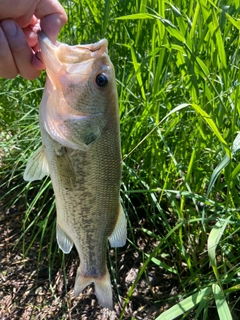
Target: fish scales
x=81, y=151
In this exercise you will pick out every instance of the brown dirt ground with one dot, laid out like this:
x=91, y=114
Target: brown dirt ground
x=27, y=292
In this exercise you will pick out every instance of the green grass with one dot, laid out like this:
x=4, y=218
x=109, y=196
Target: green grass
x=177, y=70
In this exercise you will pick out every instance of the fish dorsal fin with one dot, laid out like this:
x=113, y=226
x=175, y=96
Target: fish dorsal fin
x=119, y=236
x=37, y=166
x=64, y=242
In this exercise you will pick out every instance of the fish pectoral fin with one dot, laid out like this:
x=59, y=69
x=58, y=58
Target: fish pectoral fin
x=37, y=166
x=64, y=242
x=119, y=236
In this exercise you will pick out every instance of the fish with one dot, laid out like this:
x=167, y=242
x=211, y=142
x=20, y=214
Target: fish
x=81, y=151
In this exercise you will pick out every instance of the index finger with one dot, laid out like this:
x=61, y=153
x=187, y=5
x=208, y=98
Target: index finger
x=16, y=53
x=52, y=17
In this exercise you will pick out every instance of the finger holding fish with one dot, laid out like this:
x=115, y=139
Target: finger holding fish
x=15, y=59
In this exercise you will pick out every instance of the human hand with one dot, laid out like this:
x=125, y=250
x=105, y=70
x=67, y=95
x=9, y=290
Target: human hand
x=19, y=22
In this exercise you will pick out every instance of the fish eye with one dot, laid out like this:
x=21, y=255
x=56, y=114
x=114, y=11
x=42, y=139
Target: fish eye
x=101, y=80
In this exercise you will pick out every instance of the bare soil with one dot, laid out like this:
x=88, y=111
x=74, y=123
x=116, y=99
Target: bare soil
x=29, y=291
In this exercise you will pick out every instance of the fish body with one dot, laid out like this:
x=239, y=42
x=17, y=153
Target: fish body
x=81, y=151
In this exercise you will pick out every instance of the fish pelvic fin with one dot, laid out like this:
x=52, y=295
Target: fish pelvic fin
x=103, y=289
x=119, y=235
x=37, y=166
x=64, y=242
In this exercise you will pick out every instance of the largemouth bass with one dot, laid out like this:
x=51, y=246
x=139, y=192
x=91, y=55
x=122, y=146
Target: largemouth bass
x=80, y=150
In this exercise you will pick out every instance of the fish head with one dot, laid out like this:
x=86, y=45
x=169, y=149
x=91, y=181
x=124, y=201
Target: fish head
x=82, y=86
x=83, y=73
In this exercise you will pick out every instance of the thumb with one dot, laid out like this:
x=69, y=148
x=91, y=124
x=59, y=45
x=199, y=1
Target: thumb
x=52, y=17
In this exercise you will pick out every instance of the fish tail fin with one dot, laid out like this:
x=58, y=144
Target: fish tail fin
x=103, y=288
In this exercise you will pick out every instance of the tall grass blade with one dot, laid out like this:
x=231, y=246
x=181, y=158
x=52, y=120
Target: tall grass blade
x=221, y=303
x=225, y=161
x=186, y=304
x=106, y=17
x=212, y=126
x=213, y=241
x=236, y=145
x=176, y=109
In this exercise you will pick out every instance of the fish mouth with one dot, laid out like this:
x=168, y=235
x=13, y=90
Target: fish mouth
x=99, y=47
x=69, y=54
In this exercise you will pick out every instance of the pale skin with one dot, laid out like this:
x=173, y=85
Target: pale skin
x=19, y=22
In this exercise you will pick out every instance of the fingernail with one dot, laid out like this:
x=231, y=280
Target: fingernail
x=9, y=27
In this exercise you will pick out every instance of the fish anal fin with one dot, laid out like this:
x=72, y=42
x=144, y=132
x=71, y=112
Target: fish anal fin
x=119, y=235
x=103, y=288
x=63, y=240
x=37, y=166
